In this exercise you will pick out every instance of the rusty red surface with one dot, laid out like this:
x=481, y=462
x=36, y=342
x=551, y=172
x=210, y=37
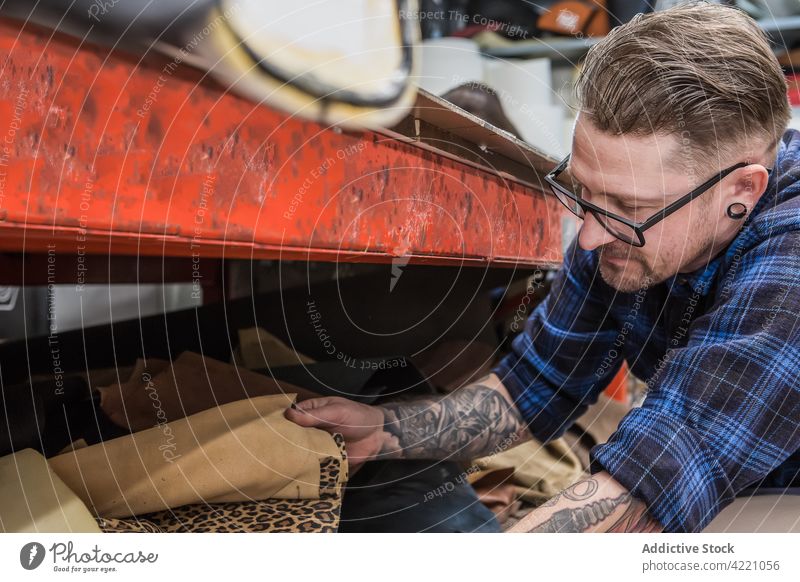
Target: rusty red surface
x=101, y=153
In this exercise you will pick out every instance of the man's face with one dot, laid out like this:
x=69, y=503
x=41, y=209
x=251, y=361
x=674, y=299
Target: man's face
x=630, y=176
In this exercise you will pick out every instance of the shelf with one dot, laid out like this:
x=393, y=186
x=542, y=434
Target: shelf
x=111, y=155
x=784, y=33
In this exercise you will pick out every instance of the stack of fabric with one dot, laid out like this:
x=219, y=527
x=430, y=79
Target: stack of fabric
x=205, y=447
x=237, y=467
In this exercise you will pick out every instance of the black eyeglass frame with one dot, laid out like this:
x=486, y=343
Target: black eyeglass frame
x=637, y=227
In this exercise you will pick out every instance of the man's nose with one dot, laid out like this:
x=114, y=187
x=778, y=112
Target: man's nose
x=593, y=234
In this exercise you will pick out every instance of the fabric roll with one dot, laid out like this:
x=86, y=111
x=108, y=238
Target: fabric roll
x=241, y=451
x=33, y=499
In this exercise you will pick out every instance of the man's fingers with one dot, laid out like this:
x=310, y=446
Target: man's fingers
x=314, y=403
x=326, y=416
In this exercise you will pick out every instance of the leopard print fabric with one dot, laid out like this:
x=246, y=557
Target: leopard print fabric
x=271, y=515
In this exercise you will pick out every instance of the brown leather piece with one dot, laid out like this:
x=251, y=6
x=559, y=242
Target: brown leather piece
x=160, y=392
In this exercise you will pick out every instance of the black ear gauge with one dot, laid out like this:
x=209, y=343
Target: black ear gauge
x=736, y=211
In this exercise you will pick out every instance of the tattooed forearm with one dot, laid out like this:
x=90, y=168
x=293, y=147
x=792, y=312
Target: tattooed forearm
x=581, y=491
x=580, y=519
x=472, y=422
x=594, y=504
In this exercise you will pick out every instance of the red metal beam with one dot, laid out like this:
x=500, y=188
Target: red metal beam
x=102, y=154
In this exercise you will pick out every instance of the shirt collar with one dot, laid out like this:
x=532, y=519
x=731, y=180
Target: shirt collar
x=697, y=282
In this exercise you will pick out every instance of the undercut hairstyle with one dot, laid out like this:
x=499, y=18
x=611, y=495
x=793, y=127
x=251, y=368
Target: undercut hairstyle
x=704, y=73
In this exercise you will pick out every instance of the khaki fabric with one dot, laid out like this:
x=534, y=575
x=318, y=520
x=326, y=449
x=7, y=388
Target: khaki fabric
x=241, y=451
x=602, y=418
x=162, y=392
x=260, y=350
x=539, y=470
x=759, y=514
x=34, y=500
x=270, y=515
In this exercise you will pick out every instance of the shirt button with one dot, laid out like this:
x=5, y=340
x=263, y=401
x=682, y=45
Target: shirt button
x=682, y=281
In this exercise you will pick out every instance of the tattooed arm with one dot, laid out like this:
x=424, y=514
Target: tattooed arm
x=471, y=422
x=595, y=504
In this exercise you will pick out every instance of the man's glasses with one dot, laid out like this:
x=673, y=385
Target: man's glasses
x=624, y=229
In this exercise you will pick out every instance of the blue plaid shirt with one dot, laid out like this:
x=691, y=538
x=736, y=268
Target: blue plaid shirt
x=717, y=347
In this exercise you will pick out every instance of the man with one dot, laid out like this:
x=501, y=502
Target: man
x=685, y=266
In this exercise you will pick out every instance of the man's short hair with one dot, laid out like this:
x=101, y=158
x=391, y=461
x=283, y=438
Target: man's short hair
x=702, y=72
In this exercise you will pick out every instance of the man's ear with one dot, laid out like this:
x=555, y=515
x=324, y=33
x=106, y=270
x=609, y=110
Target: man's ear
x=749, y=184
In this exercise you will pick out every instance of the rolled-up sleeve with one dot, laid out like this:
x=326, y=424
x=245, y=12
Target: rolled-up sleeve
x=565, y=355
x=724, y=410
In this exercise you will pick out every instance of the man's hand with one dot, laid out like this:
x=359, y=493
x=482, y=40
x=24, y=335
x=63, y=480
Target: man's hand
x=359, y=424
x=472, y=422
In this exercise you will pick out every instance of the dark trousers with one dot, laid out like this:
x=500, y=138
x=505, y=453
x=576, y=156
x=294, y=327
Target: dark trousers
x=413, y=496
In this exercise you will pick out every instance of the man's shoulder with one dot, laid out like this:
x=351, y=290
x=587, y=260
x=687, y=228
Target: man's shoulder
x=771, y=254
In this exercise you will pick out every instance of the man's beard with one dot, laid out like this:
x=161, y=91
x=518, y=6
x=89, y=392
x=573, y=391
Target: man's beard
x=632, y=276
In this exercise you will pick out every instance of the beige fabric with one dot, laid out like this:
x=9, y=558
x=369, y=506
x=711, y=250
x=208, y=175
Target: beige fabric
x=595, y=427
x=162, y=392
x=539, y=471
x=74, y=446
x=241, y=451
x=759, y=514
x=34, y=499
x=270, y=515
x=602, y=418
x=260, y=350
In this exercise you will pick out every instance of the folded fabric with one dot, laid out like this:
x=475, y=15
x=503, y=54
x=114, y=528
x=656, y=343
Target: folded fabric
x=497, y=492
x=241, y=451
x=271, y=515
x=160, y=392
x=596, y=426
x=539, y=470
x=258, y=349
x=34, y=499
x=602, y=418
x=98, y=377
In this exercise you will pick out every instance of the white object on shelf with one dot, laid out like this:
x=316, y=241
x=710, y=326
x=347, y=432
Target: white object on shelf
x=102, y=304
x=525, y=90
x=448, y=63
